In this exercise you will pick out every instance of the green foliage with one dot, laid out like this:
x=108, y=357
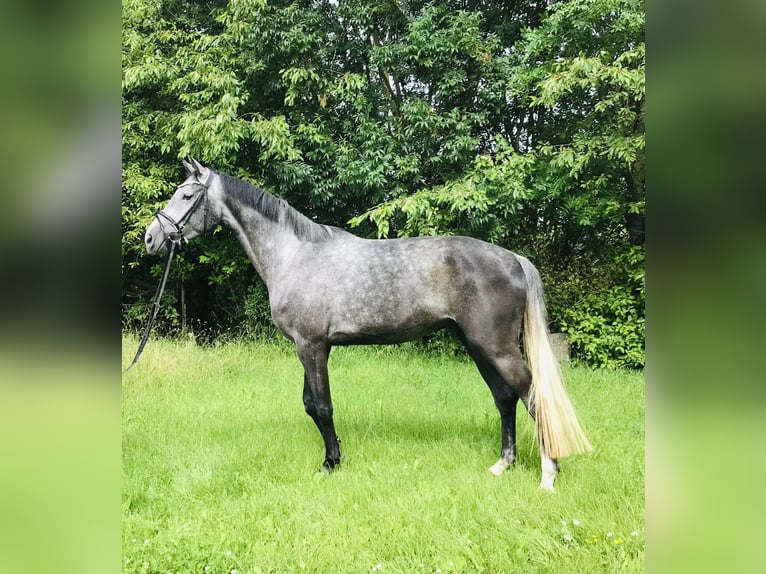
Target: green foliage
x=606, y=326
x=607, y=329
x=518, y=124
x=258, y=324
x=590, y=89
x=460, y=206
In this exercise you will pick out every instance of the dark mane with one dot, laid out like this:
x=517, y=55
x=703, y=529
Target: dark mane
x=278, y=210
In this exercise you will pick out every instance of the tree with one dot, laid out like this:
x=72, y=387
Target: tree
x=520, y=123
x=564, y=181
x=584, y=75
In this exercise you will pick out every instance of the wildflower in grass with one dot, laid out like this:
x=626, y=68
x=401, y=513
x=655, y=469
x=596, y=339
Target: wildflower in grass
x=608, y=534
x=591, y=539
x=618, y=541
x=576, y=522
x=634, y=533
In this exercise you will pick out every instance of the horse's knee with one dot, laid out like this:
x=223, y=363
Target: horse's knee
x=317, y=409
x=323, y=411
x=308, y=405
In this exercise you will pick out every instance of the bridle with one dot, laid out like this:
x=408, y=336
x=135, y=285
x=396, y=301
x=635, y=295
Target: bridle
x=175, y=237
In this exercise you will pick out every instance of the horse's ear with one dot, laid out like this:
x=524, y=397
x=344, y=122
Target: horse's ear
x=188, y=165
x=198, y=167
x=203, y=173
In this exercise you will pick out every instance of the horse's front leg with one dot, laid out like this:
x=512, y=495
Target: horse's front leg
x=316, y=397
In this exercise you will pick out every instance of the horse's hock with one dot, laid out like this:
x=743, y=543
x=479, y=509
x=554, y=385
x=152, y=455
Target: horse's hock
x=560, y=345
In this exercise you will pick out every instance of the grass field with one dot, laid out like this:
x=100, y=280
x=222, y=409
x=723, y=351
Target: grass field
x=220, y=468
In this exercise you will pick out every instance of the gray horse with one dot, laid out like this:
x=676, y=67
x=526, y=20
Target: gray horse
x=328, y=287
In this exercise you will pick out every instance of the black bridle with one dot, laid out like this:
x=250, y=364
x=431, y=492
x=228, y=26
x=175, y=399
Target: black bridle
x=175, y=237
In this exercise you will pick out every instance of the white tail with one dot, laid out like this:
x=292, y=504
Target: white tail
x=558, y=429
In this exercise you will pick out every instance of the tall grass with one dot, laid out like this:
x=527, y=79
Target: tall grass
x=220, y=468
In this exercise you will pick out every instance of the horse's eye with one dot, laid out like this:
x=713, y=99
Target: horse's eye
x=187, y=195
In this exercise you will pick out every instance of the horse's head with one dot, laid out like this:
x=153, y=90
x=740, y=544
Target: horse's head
x=187, y=214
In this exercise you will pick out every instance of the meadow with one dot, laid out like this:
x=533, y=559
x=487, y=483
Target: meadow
x=220, y=468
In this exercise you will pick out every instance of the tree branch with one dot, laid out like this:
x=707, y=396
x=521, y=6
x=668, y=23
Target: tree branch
x=393, y=98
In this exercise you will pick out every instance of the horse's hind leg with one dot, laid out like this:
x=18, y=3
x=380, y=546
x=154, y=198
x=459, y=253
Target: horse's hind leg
x=509, y=379
x=505, y=376
x=550, y=467
x=317, y=399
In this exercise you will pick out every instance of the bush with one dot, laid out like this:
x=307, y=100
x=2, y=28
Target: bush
x=607, y=330
x=606, y=327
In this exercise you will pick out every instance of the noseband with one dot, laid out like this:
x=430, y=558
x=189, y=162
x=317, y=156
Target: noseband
x=176, y=235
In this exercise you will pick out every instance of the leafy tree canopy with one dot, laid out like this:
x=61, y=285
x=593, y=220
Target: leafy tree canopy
x=521, y=123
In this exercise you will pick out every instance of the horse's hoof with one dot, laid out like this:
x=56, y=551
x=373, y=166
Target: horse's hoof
x=499, y=467
x=329, y=465
x=547, y=483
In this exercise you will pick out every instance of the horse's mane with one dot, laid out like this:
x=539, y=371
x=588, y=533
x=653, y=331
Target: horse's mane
x=278, y=210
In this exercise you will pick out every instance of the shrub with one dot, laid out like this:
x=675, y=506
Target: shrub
x=607, y=329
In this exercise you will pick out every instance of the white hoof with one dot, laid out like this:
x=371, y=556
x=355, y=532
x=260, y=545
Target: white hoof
x=547, y=485
x=499, y=467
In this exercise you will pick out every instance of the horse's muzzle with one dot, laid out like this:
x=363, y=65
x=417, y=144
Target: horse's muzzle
x=155, y=240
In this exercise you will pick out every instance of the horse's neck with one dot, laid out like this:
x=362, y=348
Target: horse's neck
x=267, y=243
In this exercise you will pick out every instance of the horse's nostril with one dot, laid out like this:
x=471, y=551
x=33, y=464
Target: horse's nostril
x=149, y=239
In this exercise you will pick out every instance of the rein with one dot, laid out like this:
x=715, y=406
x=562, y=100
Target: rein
x=175, y=238
x=155, y=304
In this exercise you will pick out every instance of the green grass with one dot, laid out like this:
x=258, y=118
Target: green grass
x=220, y=468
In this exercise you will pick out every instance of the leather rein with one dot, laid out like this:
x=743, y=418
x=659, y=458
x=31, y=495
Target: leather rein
x=175, y=237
